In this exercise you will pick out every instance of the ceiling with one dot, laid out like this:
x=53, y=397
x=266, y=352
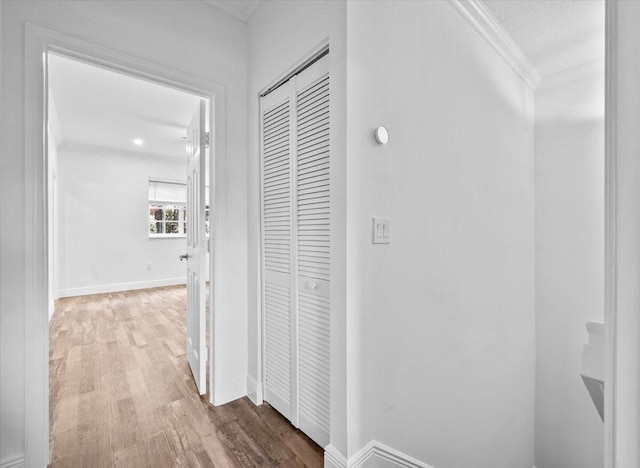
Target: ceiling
x=97, y=107
x=101, y=108
x=241, y=9
x=555, y=35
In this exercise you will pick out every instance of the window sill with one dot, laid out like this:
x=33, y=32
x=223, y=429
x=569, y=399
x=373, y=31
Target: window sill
x=168, y=236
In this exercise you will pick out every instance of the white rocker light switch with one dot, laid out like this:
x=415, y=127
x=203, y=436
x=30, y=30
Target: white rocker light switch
x=381, y=230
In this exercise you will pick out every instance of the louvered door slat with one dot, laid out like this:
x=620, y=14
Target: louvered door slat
x=276, y=182
x=320, y=112
x=313, y=367
x=313, y=258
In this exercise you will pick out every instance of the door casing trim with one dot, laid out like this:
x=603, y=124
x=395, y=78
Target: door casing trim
x=40, y=41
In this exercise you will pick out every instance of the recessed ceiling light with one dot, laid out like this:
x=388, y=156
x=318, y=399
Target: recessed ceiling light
x=138, y=142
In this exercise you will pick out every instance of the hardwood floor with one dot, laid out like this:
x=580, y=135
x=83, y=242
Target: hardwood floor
x=121, y=393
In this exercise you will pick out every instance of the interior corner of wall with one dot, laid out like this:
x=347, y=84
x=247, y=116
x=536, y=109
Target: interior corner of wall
x=333, y=458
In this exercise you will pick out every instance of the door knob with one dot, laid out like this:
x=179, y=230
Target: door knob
x=184, y=257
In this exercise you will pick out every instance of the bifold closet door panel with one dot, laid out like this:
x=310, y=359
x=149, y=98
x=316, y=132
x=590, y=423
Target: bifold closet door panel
x=277, y=249
x=296, y=249
x=313, y=211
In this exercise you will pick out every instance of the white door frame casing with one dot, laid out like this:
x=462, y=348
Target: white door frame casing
x=39, y=42
x=622, y=237
x=609, y=248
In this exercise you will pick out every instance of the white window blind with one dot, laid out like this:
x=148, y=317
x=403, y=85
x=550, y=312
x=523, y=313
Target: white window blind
x=168, y=192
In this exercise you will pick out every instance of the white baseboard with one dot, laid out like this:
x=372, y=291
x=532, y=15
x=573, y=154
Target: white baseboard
x=107, y=288
x=15, y=461
x=230, y=391
x=254, y=390
x=373, y=454
x=333, y=458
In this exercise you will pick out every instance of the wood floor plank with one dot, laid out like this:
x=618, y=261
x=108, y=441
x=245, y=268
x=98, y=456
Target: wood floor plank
x=244, y=448
x=122, y=394
x=261, y=433
x=304, y=449
x=219, y=452
x=158, y=451
x=128, y=418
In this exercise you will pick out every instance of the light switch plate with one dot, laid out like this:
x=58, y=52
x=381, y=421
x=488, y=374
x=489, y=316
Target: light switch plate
x=381, y=230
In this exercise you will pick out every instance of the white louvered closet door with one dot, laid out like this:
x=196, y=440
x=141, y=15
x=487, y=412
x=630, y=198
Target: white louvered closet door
x=277, y=228
x=313, y=250
x=296, y=249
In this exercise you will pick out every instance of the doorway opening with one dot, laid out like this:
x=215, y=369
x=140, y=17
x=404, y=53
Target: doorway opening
x=128, y=230
x=39, y=43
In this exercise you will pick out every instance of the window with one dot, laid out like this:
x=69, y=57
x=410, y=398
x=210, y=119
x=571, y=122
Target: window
x=168, y=209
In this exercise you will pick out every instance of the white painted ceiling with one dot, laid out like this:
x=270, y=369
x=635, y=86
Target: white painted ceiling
x=241, y=9
x=97, y=107
x=101, y=108
x=555, y=35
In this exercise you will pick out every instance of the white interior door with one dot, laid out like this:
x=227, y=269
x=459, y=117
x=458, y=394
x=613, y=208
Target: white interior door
x=196, y=248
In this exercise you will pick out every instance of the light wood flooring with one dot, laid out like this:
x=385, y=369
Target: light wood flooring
x=122, y=395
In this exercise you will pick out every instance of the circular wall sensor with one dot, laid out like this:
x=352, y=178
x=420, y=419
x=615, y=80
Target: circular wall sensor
x=382, y=136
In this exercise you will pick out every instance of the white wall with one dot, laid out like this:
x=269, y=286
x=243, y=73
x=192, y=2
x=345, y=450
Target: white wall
x=103, y=223
x=569, y=267
x=438, y=334
x=445, y=313
x=280, y=34
x=192, y=37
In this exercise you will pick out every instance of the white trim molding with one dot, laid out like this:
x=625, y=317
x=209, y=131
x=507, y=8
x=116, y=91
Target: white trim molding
x=610, y=241
x=569, y=75
x=610, y=305
x=622, y=236
x=376, y=453
x=231, y=391
x=479, y=16
x=333, y=458
x=254, y=390
x=117, y=287
x=15, y=461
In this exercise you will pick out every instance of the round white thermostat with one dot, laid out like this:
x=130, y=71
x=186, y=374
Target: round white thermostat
x=382, y=136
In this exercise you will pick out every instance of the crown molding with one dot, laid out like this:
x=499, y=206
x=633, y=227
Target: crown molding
x=477, y=14
x=568, y=75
